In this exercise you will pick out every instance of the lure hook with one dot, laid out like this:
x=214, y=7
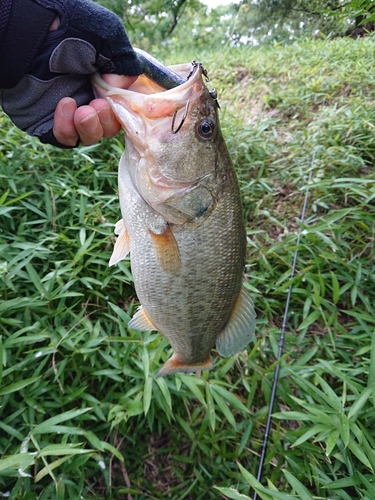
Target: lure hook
x=183, y=118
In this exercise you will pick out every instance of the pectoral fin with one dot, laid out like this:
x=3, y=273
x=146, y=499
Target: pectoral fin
x=239, y=330
x=141, y=321
x=173, y=365
x=166, y=248
x=122, y=245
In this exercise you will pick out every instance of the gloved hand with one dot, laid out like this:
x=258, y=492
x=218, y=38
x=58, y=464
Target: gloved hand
x=89, y=38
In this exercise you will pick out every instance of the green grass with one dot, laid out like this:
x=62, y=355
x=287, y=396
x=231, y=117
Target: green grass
x=82, y=415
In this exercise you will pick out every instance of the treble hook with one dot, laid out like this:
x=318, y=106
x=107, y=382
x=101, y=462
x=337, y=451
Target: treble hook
x=183, y=118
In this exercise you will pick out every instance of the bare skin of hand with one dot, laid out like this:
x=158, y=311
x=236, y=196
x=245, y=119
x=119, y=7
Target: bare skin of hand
x=88, y=123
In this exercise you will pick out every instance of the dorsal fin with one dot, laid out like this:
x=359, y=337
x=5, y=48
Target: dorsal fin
x=122, y=245
x=141, y=321
x=239, y=330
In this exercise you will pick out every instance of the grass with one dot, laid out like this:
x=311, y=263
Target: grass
x=82, y=415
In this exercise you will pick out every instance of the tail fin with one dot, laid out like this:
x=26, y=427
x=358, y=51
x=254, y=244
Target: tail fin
x=174, y=366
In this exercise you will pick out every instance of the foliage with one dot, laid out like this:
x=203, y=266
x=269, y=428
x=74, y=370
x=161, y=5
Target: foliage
x=361, y=8
x=204, y=30
x=274, y=20
x=150, y=22
x=82, y=414
x=190, y=23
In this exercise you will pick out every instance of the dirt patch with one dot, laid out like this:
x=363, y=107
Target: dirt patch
x=158, y=465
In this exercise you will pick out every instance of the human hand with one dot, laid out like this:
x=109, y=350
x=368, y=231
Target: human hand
x=89, y=123
x=54, y=99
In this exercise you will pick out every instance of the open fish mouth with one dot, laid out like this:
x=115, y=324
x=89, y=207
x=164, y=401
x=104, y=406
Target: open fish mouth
x=160, y=101
x=161, y=91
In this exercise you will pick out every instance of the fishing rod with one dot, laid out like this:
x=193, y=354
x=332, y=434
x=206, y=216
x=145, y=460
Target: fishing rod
x=282, y=336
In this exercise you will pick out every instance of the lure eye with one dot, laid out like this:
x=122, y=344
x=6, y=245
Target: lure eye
x=206, y=129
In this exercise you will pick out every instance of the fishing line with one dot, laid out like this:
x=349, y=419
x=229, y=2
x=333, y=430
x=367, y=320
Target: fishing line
x=282, y=336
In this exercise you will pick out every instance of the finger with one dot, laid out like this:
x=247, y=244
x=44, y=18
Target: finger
x=107, y=119
x=88, y=126
x=63, y=123
x=55, y=25
x=119, y=81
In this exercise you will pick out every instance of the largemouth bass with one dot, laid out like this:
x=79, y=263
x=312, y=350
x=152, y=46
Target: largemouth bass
x=181, y=220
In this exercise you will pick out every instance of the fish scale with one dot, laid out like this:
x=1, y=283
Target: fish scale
x=182, y=221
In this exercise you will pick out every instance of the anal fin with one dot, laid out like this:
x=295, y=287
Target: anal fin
x=173, y=365
x=122, y=245
x=141, y=321
x=239, y=330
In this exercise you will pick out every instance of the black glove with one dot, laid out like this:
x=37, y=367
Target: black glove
x=39, y=67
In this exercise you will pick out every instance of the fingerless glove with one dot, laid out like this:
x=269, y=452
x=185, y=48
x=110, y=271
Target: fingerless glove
x=39, y=67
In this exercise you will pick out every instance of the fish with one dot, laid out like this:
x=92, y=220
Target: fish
x=182, y=219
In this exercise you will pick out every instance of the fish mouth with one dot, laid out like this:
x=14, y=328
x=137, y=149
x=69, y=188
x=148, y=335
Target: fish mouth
x=163, y=79
x=148, y=99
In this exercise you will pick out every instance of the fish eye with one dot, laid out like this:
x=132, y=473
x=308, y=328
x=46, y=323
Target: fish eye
x=206, y=129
